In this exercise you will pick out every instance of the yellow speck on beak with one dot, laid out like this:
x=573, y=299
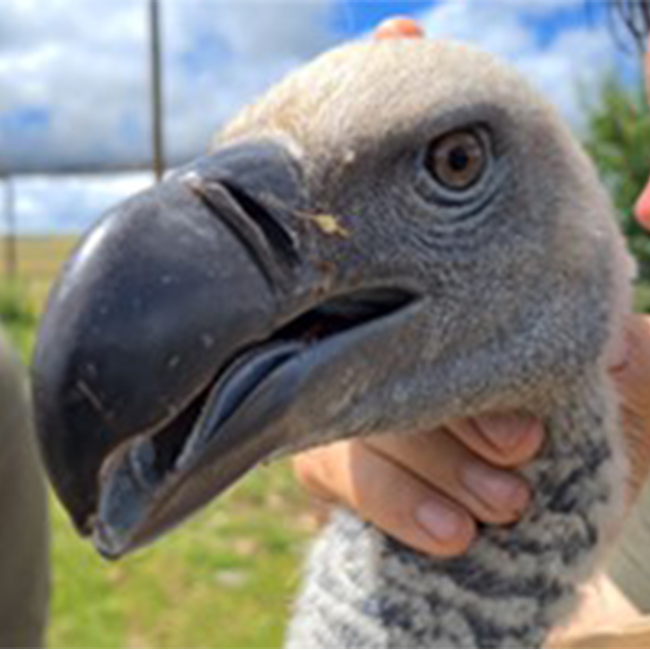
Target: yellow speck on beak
x=329, y=224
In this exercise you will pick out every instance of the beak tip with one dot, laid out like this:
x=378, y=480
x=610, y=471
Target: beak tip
x=110, y=546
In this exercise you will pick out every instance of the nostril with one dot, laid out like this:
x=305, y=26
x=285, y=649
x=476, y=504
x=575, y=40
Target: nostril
x=279, y=237
x=258, y=227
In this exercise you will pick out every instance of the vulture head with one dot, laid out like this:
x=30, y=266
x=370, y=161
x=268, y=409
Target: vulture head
x=399, y=233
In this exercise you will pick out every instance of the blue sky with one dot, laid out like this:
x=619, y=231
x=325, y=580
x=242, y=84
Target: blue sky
x=73, y=75
x=358, y=16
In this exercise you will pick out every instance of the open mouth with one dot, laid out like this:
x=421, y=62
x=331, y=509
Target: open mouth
x=173, y=358
x=169, y=449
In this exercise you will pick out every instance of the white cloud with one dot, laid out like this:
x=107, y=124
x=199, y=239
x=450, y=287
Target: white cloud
x=86, y=64
x=542, y=7
x=82, y=65
x=569, y=64
x=70, y=204
x=256, y=30
x=74, y=77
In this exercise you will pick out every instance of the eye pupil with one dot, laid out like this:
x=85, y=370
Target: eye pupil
x=458, y=159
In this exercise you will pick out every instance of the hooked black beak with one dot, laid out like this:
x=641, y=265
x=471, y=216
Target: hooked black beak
x=188, y=339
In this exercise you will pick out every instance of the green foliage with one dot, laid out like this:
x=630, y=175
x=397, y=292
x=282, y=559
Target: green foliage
x=17, y=315
x=642, y=302
x=15, y=308
x=618, y=139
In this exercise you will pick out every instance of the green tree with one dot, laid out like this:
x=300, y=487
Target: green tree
x=617, y=135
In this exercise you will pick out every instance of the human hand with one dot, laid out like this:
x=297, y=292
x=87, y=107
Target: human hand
x=430, y=490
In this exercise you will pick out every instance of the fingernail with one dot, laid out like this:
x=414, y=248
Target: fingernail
x=440, y=521
x=495, y=488
x=507, y=431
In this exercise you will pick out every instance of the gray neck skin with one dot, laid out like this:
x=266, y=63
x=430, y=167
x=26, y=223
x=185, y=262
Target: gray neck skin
x=364, y=590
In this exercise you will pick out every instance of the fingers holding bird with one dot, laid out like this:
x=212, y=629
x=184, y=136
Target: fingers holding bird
x=428, y=490
x=384, y=493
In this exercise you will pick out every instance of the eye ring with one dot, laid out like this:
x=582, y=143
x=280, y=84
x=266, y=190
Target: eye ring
x=458, y=160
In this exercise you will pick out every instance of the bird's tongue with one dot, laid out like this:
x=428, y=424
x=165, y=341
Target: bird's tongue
x=230, y=391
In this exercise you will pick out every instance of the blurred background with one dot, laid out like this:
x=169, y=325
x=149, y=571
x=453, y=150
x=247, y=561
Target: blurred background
x=96, y=98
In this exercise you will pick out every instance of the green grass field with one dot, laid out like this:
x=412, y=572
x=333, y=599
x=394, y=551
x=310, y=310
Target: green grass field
x=225, y=580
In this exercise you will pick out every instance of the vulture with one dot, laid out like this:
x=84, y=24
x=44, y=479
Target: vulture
x=399, y=233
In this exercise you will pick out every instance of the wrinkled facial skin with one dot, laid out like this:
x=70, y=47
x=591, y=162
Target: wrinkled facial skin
x=378, y=245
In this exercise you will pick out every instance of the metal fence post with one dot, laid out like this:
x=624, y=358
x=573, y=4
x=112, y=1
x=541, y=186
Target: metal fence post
x=11, y=249
x=157, y=121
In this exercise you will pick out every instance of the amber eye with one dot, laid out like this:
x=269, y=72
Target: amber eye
x=457, y=161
